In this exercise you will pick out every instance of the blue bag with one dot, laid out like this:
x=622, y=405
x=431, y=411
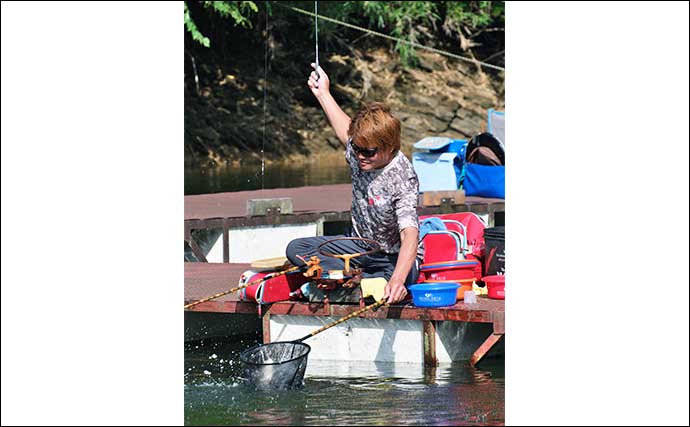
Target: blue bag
x=485, y=181
x=484, y=169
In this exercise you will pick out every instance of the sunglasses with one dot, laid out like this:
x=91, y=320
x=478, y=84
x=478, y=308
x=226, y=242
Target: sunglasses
x=365, y=152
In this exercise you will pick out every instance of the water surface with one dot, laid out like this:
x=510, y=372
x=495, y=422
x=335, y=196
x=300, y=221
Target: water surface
x=335, y=393
x=244, y=177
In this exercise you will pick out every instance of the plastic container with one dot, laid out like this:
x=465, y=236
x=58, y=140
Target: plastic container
x=441, y=294
x=439, y=165
x=449, y=271
x=470, y=297
x=496, y=286
x=437, y=171
x=463, y=285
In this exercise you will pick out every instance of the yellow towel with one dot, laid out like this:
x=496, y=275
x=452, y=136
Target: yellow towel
x=373, y=287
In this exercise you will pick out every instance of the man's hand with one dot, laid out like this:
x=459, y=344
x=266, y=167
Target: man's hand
x=319, y=84
x=395, y=291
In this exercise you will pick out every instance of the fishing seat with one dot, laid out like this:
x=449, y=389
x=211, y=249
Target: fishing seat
x=441, y=246
x=470, y=226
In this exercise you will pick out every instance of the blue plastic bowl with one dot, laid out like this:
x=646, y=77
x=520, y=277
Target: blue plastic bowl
x=440, y=294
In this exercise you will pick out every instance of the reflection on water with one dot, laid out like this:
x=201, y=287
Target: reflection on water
x=334, y=393
x=248, y=176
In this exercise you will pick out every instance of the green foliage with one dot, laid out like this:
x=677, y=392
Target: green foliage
x=412, y=20
x=239, y=11
x=463, y=23
x=474, y=15
x=191, y=27
x=401, y=18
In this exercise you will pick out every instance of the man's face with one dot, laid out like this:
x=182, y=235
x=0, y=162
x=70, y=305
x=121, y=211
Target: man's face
x=371, y=158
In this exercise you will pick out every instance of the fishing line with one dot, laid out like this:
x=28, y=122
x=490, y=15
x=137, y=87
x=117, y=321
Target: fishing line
x=263, y=132
x=316, y=51
x=316, y=37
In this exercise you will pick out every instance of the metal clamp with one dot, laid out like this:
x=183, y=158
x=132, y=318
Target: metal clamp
x=446, y=204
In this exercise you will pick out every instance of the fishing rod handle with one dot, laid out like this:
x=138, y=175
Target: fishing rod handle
x=341, y=320
x=218, y=295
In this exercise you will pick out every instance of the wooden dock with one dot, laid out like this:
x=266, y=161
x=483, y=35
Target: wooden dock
x=431, y=333
x=204, y=279
x=317, y=205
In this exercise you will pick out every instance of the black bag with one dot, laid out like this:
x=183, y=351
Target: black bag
x=485, y=149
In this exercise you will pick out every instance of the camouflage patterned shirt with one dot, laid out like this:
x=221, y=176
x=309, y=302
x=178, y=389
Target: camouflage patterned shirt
x=384, y=201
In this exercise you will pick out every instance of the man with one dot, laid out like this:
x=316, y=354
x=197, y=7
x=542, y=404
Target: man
x=384, y=196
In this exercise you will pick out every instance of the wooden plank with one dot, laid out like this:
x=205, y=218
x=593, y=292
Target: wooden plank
x=389, y=312
x=499, y=321
x=331, y=199
x=437, y=198
x=269, y=263
x=279, y=205
x=202, y=280
x=225, y=307
x=336, y=197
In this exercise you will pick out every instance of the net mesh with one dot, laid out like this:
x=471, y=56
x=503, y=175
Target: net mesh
x=278, y=365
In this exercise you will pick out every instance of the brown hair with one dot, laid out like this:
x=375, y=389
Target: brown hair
x=375, y=126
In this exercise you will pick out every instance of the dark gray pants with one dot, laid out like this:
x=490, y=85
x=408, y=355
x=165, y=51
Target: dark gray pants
x=378, y=264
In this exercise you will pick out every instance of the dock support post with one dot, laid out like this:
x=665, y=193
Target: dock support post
x=196, y=250
x=226, y=241
x=429, y=327
x=499, y=330
x=484, y=348
x=266, y=326
x=319, y=226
